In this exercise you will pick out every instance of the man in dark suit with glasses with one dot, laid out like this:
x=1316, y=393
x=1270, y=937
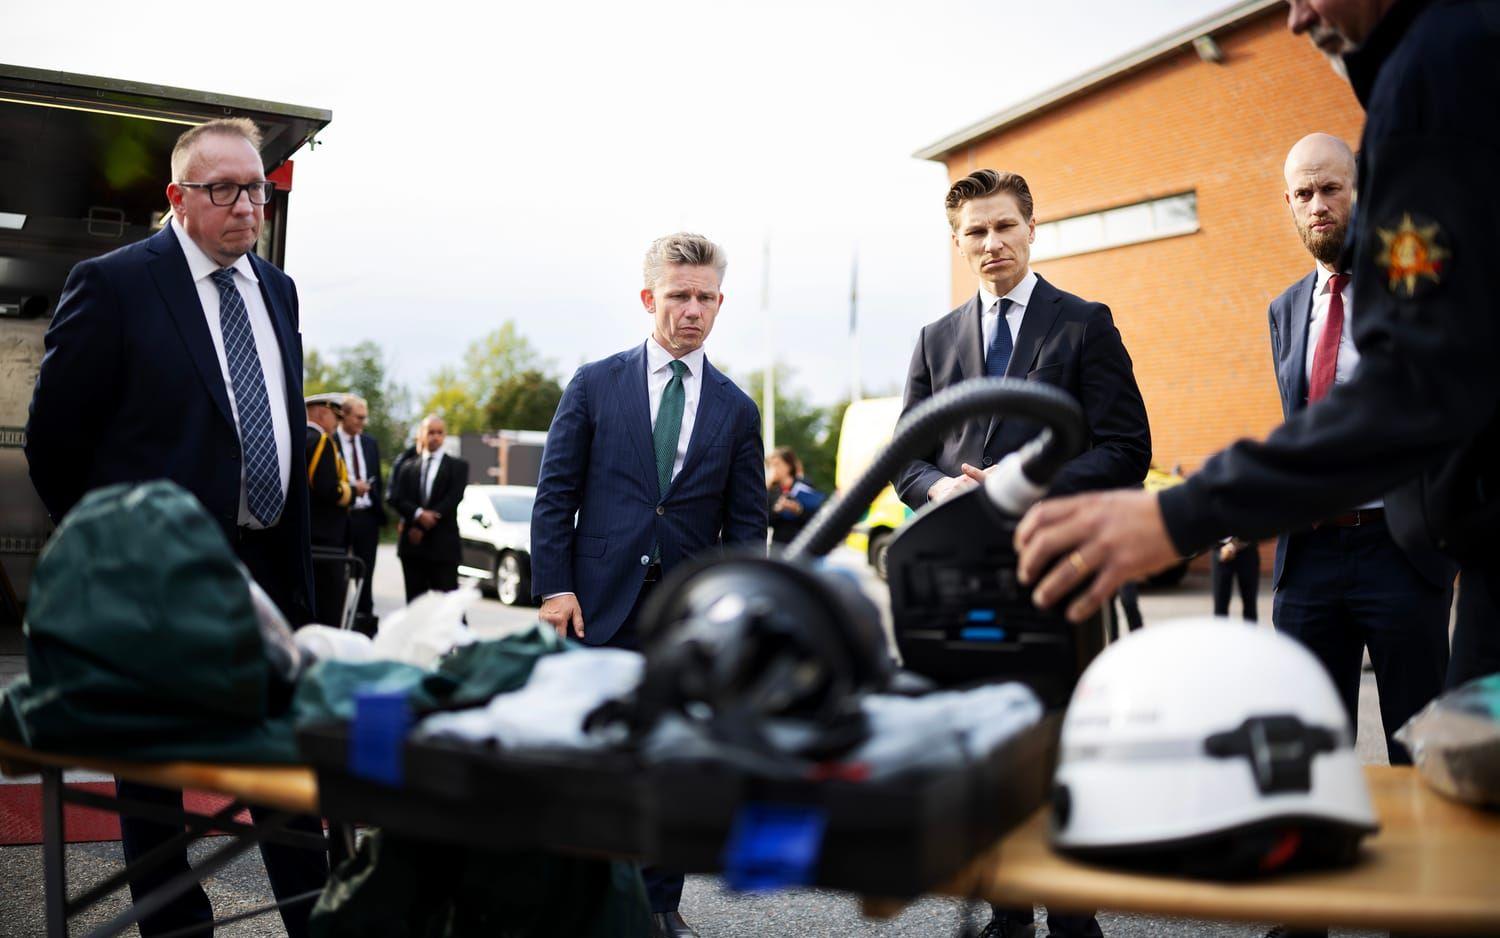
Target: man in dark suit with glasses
x=179, y=358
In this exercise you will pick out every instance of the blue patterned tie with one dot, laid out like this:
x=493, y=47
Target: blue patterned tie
x=257, y=437
x=1001, y=346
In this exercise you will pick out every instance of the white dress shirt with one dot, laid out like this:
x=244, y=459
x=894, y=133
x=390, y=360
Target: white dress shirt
x=427, y=467
x=201, y=266
x=1348, y=354
x=658, y=373
x=359, y=470
x=989, y=315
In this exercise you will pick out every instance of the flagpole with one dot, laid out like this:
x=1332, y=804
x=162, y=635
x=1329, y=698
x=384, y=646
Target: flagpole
x=768, y=385
x=855, y=393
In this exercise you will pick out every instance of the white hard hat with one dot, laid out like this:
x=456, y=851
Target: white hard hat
x=1209, y=747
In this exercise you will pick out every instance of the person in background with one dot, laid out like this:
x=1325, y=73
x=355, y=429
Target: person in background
x=792, y=501
x=1235, y=562
x=1343, y=585
x=328, y=495
x=367, y=513
x=427, y=496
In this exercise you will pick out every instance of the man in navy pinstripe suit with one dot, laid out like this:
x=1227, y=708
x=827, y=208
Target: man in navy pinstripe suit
x=659, y=456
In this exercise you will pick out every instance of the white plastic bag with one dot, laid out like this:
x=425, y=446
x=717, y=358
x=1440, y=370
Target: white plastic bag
x=427, y=629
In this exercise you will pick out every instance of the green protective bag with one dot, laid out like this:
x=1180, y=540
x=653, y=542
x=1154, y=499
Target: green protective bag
x=141, y=639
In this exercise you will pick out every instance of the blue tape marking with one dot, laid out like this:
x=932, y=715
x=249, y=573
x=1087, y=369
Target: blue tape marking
x=381, y=719
x=975, y=634
x=773, y=846
x=981, y=615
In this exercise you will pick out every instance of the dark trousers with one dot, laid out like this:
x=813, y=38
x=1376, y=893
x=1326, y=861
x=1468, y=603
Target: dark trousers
x=1343, y=590
x=1244, y=570
x=1058, y=924
x=292, y=870
x=330, y=586
x=422, y=574
x=1476, y=633
x=663, y=887
x=364, y=538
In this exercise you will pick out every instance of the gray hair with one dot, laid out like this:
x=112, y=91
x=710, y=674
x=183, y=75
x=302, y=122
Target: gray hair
x=351, y=399
x=182, y=151
x=683, y=249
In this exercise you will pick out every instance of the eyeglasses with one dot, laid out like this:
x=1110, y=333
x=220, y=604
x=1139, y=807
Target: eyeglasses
x=228, y=193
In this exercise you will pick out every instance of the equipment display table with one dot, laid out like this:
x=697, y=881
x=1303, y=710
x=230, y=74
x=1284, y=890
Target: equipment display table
x=1433, y=867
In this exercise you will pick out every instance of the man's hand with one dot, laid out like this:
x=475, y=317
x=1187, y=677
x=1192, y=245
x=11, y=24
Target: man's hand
x=361, y=487
x=944, y=489
x=1113, y=536
x=786, y=503
x=427, y=518
x=560, y=612
x=1228, y=552
x=975, y=473
x=414, y=535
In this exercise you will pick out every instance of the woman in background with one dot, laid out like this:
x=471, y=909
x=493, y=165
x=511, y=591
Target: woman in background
x=793, y=502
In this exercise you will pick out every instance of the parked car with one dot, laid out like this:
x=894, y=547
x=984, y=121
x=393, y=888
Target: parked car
x=494, y=525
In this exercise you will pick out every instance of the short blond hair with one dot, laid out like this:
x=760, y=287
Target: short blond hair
x=683, y=249
x=182, y=151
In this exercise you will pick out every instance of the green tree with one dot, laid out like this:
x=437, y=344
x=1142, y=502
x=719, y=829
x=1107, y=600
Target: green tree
x=809, y=429
x=362, y=369
x=525, y=401
x=462, y=395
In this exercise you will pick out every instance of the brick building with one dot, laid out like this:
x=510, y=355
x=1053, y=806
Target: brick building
x=1158, y=190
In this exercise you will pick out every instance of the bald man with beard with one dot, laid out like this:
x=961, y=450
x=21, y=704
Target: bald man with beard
x=1344, y=585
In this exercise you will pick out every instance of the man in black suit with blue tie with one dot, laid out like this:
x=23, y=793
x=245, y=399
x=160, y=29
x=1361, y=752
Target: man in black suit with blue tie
x=1019, y=325
x=1344, y=584
x=658, y=456
x=179, y=358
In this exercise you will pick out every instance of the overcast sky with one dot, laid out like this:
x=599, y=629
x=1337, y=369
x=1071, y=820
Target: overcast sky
x=514, y=161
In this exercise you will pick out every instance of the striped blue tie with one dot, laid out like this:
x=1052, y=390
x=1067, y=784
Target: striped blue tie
x=998, y=355
x=248, y=383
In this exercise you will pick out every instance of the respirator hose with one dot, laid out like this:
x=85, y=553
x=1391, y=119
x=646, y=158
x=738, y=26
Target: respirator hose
x=1062, y=439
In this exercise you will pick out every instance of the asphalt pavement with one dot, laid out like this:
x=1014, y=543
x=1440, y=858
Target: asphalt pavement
x=717, y=912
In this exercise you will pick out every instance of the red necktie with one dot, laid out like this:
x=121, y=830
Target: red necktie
x=1325, y=365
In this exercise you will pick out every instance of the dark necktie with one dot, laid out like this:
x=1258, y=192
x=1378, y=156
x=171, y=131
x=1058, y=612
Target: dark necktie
x=263, y=492
x=669, y=426
x=1325, y=366
x=359, y=466
x=998, y=356
x=425, y=482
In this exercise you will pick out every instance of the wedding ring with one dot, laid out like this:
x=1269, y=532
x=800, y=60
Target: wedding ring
x=1079, y=564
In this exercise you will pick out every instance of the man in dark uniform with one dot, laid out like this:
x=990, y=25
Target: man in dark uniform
x=328, y=496
x=1417, y=422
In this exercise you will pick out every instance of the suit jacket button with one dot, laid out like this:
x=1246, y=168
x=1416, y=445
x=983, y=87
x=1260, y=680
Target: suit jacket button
x=661, y=509
x=235, y=456
x=645, y=560
x=988, y=461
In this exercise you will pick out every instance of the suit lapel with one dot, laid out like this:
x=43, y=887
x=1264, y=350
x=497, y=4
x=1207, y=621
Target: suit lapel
x=1294, y=366
x=174, y=281
x=281, y=322
x=970, y=342
x=635, y=403
x=706, y=421
x=1036, y=323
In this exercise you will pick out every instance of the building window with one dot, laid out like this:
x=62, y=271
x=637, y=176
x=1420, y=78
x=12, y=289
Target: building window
x=1128, y=224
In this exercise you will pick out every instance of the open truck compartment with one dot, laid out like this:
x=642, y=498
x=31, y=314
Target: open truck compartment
x=84, y=164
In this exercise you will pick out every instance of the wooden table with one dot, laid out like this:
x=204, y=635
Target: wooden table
x=1433, y=867
x=287, y=791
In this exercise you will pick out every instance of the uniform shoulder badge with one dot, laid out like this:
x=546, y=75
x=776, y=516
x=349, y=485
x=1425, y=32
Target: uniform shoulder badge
x=1412, y=255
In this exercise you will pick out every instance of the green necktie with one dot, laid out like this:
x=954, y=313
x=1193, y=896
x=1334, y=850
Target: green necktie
x=668, y=426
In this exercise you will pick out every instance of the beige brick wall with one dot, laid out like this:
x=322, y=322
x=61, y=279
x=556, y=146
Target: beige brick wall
x=1192, y=309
